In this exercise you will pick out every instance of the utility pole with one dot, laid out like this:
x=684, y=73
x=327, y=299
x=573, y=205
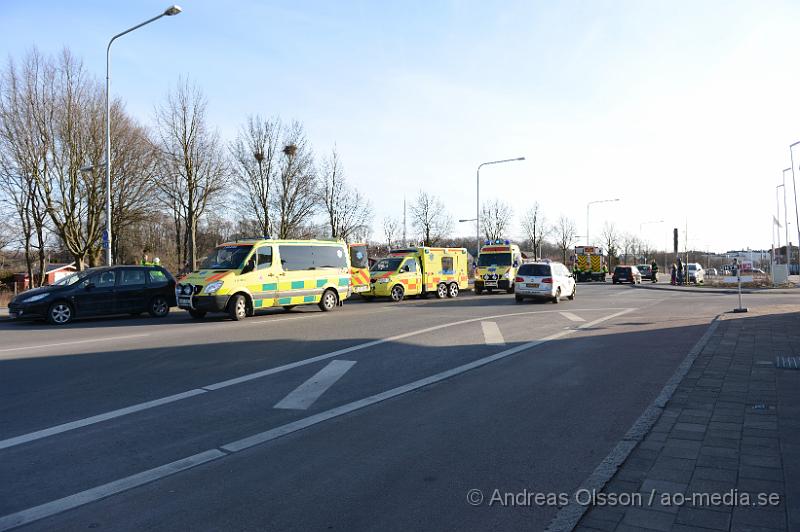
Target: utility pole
x=405, y=242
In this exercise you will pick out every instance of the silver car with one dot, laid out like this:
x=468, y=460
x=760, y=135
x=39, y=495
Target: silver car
x=544, y=280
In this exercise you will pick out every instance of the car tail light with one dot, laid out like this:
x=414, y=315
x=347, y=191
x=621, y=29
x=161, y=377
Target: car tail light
x=519, y=280
x=547, y=280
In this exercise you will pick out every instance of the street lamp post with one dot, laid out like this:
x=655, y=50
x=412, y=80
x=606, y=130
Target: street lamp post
x=796, y=217
x=786, y=220
x=170, y=11
x=588, y=241
x=478, y=196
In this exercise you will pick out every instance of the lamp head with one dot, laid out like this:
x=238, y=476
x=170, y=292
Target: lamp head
x=172, y=10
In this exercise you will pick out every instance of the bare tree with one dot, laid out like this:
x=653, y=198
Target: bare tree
x=610, y=238
x=256, y=153
x=565, y=234
x=430, y=218
x=25, y=143
x=296, y=191
x=347, y=210
x=391, y=228
x=191, y=163
x=496, y=216
x=536, y=228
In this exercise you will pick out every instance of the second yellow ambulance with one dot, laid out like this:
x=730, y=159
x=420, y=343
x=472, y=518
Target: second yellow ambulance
x=496, y=266
x=420, y=271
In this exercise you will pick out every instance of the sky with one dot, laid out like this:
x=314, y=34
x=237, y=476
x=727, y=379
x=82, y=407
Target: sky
x=683, y=110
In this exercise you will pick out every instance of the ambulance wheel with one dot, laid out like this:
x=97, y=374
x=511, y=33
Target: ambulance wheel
x=478, y=291
x=237, y=307
x=510, y=289
x=397, y=293
x=197, y=314
x=557, y=298
x=571, y=297
x=452, y=290
x=441, y=291
x=328, y=301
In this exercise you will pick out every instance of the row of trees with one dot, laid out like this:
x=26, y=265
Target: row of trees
x=179, y=189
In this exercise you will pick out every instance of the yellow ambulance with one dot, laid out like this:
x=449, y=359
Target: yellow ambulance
x=420, y=271
x=496, y=266
x=241, y=277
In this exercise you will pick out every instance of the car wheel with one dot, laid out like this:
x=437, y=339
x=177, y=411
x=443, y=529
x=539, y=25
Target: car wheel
x=557, y=297
x=328, y=301
x=237, y=307
x=518, y=298
x=197, y=314
x=397, y=293
x=441, y=291
x=571, y=297
x=452, y=290
x=60, y=313
x=159, y=307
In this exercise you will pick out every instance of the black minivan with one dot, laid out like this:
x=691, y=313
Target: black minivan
x=99, y=292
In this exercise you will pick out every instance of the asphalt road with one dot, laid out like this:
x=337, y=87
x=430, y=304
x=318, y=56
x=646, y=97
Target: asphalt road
x=377, y=416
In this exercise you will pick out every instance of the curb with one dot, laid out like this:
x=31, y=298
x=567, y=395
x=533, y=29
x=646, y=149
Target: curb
x=783, y=291
x=568, y=516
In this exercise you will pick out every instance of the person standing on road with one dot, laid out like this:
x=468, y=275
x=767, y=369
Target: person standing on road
x=680, y=271
x=654, y=267
x=673, y=274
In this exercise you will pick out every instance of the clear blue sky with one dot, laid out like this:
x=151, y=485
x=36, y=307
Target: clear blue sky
x=682, y=109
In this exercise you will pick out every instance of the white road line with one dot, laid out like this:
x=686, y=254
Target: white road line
x=24, y=438
x=42, y=346
x=118, y=486
x=492, y=334
x=304, y=395
x=571, y=316
x=58, y=429
x=106, y=490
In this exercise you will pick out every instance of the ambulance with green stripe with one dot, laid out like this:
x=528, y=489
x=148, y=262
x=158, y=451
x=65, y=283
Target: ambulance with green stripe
x=419, y=272
x=241, y=277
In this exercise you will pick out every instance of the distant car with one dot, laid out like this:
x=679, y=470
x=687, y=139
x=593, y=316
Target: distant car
x=99, y=292
x=646, y=270
x=695, y=272
x=548, y=280
x=626, y=274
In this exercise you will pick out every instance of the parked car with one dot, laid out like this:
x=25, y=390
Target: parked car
x=548, y=280
x=626, y=274
x=101, y=291
x=695, y=272
x=646, y=270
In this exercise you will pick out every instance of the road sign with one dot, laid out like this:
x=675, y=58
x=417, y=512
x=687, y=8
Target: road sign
x=105, y=239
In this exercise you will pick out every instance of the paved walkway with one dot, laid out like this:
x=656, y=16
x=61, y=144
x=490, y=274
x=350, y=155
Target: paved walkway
x=729, y=434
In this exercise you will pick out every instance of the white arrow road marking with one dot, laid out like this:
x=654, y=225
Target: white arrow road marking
x=304, y=395
x=571, y=316
x=492, y=334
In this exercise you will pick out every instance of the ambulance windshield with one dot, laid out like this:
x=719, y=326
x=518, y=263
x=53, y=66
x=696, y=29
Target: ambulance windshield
x=226, y=258
x=494, y=259
x=386, y=265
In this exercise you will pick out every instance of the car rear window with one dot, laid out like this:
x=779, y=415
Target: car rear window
x=622, y=269
x=534, y=270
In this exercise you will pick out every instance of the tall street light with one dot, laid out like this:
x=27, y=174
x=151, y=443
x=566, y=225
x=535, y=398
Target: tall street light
x=588, y=241
x=786, y=220
x=796, y=217
x=170, y=11
x=478, y=198
x=778, y=212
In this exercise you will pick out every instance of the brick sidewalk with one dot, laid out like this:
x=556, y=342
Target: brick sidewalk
x=731, y=428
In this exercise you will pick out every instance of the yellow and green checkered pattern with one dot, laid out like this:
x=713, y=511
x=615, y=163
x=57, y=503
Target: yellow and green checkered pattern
x=294, y=292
